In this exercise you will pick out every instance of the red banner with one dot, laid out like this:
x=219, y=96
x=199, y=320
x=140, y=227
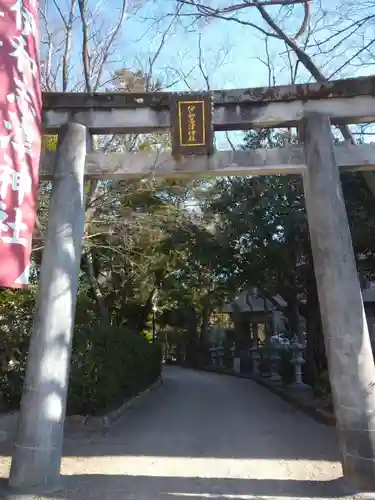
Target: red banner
x=20, y=136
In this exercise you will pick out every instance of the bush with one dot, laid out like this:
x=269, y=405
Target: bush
x=110, y=364
x=16, y=315
x=322, y=388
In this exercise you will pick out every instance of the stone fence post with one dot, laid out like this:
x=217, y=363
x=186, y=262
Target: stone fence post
x=256, y=358
x=236, y=361
x=298, y=361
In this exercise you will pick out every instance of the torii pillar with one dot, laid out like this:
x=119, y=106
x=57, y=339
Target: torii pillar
x=38, y=442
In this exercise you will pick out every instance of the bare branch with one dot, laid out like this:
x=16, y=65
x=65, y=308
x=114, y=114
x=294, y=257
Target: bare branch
x=221, y=13
x=160, y=47
x=68, y=44
x=201, y=63
x=85, y=45
x=112, y=38
x=246, y=4
x=230, y=141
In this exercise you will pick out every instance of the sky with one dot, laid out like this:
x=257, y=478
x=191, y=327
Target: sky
x=233, y=55
x=232, y=52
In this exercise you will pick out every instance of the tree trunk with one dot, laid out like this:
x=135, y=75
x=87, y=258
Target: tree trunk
x=205, y=321
x=316, y=359
x=192, y=335
x=292, y=314
x=95, y=287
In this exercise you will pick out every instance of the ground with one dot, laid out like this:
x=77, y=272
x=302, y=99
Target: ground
x=203, y=435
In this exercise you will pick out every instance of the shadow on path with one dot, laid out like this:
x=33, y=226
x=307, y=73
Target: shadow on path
x=168, y=488
x=199, y=414
x=203, y=435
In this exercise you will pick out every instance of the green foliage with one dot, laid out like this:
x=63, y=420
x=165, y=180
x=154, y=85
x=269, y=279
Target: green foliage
x=16, y=315
x=195, y=243
x=109, y=364
x=322, y=388
x=265, y=241
x=49, y=143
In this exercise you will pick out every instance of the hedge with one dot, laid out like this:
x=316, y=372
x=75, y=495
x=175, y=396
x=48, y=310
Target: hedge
x=109, y=365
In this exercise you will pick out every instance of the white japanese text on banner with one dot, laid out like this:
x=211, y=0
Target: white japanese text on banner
x=20, y=136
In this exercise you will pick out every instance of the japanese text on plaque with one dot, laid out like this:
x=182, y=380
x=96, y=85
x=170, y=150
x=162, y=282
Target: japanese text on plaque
x=191, y=121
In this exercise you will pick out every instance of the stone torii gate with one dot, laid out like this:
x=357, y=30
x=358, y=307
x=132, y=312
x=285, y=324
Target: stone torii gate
x=310, y=107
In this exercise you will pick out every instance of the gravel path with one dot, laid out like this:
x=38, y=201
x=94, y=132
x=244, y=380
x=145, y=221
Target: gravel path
x=199, y=436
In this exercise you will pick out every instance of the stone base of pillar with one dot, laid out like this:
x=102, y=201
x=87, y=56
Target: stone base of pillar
x=346, y=490
x=31, y=493
x=358, y=471
x=237, y=365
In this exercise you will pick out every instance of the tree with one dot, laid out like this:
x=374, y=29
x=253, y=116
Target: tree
x=353, y=26
x=92, y=68
x=265, y=224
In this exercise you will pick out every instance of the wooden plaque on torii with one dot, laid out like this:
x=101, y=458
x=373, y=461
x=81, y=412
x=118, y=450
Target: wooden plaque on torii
x=191, y=124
